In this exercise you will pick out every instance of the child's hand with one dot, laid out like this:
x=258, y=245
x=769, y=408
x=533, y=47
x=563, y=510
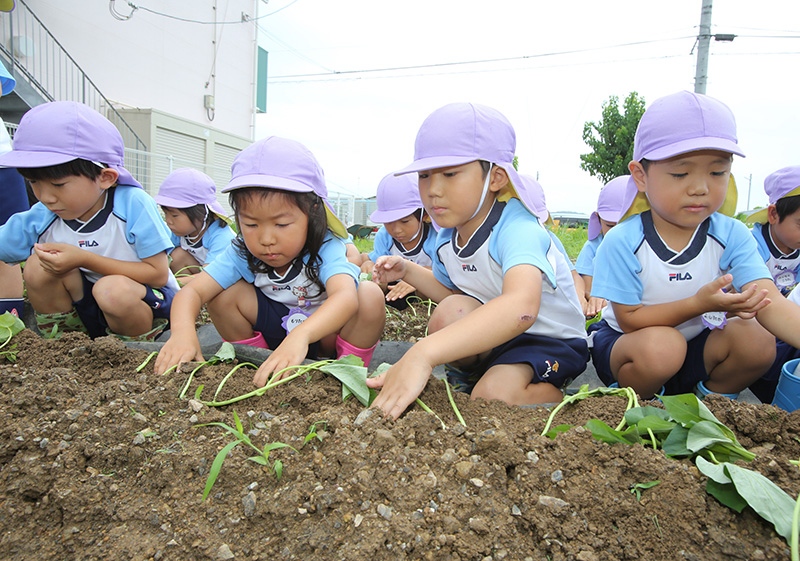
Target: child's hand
x=399, y=290
x=401, y=384
x=58, y=258
x=177, y=351
x=389, y=268
x=291, y=352
x=367, y=266
x=716, y=297
x=593, y=306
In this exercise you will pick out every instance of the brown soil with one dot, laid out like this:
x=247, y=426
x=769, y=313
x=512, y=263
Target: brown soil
x=99, y=461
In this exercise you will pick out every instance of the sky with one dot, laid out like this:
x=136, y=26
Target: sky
x=354, y=79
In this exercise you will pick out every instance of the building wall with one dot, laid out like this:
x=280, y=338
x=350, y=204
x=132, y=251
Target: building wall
x=160, y=62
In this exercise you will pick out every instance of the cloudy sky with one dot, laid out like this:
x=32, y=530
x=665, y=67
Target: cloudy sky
x=354, y=79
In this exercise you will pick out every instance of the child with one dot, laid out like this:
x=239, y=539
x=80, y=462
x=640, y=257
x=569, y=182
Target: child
x=508, y=315
x=196, y=219
x=609, y=210
x=666, y=270
x=405, y=232
x=285, y=282
x=777, y=227
x=15, y=199
x=95, y=246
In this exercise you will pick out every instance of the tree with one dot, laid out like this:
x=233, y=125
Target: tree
x=611, y=138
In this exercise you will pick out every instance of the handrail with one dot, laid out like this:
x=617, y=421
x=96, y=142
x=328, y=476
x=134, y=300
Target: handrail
x=47, y=66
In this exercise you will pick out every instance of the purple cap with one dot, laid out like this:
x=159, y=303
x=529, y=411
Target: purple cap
x=685, y=122
x=609, y=204
x=398, y=196
x=187, y=187
x=536, y=196
x=61, y=131
x=279, y=163
x=460, y=133
x=783, y=183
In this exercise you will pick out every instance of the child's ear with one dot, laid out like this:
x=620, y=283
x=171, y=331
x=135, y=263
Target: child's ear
x=108, y=178
x=772, y=215
x=499, y=179
x=639, y=175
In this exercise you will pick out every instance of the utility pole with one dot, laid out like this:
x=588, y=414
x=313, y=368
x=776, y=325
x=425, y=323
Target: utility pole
x=703, y=39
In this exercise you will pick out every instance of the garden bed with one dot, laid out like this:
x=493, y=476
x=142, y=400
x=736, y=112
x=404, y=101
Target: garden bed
x=101, y=461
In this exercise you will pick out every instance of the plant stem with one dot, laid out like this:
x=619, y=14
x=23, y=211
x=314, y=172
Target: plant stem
x=146, y=361
x=229, y=374
x=453, y=403
x=429, y=410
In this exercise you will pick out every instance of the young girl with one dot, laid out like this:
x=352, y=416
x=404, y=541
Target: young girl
x=609, y=210
x=285, y=283
x=199, y=230
x=406, y=231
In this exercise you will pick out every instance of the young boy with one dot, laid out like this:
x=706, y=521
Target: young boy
x=667, y=269
x=777, y=227
x=94, y=246
x=508, y=314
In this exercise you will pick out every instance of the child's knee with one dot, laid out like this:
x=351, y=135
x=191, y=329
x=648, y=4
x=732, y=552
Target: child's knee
x=450, y=310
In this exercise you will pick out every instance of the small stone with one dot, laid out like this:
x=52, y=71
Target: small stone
x=532, y=456
x=224, y=552
x=552, y=502
x=477, y=482
x=249, y=504
x=363, y=416
x=556, y=476
x=358, y=520
x=195, y=405
x=515, y=511
x=385, y=511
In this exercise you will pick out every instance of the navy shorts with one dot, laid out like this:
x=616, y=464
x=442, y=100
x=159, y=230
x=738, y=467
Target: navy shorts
x=269, y=323
x=159, y=300
x=556, y=361
x=692, y=371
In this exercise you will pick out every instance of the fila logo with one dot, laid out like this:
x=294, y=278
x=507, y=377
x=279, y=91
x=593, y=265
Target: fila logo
x=679, y=276
x=469, y=268
x=274, y=288
x=88, y=243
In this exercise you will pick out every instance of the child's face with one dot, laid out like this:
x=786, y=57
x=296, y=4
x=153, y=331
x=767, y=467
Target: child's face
x=605, y=226
x=178, y=221
x=274, y=229
x=451, y=195
x=74, y=196
x=404, y=230
x=786, y=233
x=685, y=190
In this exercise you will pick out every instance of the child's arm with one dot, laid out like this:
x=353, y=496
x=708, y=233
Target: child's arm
x=393, y=267
x=60, y=258
x=496, y=322
x=340, y=305
x=183, y=344
x=781, y=317
x=710, y=298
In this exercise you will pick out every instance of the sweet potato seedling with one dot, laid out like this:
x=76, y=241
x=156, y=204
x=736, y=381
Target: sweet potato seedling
x=10, y=325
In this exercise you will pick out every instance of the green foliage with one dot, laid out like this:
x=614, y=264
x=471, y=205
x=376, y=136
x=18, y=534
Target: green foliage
x=573, y=239
x=611, y=138
x=10, y=325
x=638, y=488
x=364, y=245
x=261, y=458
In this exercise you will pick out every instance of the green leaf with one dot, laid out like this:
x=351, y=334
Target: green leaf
x=675, y=444
x=12, y=323
x=636, y=414
x=352, y=375
x=238, y=423
x=684, y=408
x=704, y=435
x=259, y=460
x=715, y=472
x=726, y=494
x=226, y=353
x=277, y=467
x=770, y=501
x=555, y=431
x=216, y=466
x=603, y=432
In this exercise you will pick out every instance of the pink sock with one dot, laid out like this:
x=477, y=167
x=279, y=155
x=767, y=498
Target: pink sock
x=344, y=348
x=257, y=340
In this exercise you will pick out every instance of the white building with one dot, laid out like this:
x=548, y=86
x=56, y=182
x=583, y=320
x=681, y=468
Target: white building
x=182, y=80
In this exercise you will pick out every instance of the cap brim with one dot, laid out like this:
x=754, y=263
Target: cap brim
x=692, y=145
x=760, y=216
x=594, y=226
x=384, y=216
x=266, y=181
x=33, y=159
x=215, y=207
x=436, y=162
